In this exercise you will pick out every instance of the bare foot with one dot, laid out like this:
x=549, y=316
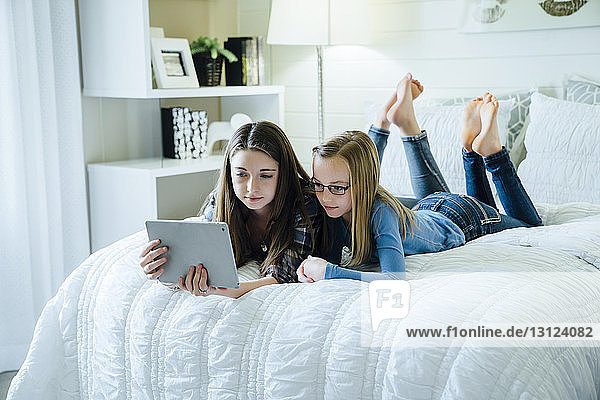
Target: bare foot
x=471, y=123
x=382, y=121
x=488, y=142
x=402, y=113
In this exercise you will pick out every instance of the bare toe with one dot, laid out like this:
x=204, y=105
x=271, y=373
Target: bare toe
x=416, y=88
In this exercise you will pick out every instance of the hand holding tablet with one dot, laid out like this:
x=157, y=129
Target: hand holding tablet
x=190, y=243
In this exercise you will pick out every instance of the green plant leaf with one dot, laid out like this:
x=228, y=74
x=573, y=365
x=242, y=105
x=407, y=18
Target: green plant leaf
x=228, y=55
x=204, y=44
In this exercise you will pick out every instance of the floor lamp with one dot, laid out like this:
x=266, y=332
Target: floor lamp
x=318, y=23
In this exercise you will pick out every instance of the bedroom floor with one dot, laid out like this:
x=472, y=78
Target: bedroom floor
x=5, y=378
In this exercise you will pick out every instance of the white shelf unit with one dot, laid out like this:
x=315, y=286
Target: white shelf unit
x=124, y=194
x=116, y=62
x=214, y=91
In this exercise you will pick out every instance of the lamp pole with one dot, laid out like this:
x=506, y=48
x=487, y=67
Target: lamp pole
x=321, y=130
x=311, y=23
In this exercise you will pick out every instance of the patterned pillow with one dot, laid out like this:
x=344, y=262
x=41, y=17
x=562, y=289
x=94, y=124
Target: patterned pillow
x=519, y=114
x=580, y=90
x=562, y=164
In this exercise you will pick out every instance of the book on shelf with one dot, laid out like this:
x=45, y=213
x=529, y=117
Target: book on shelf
x=249, y=69
x=261, y=61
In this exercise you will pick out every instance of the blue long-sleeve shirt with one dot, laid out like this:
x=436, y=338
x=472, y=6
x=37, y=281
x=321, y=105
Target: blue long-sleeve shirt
x=432, y=232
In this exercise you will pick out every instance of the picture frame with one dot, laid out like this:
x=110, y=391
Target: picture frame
x=486, y=16
x=172, y=63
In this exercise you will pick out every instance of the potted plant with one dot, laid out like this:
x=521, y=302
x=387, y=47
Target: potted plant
x=208, y=58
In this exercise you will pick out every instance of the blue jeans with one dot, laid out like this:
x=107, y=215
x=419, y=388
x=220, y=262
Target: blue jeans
x=475, y=213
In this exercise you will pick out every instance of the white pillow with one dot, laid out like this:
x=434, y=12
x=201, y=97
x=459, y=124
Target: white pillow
x=563, y=152
x=443, y=125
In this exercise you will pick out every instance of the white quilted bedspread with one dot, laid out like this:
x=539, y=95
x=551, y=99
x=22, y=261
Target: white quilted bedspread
x=110, y=333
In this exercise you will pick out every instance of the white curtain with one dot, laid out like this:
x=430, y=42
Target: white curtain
x=43, y=204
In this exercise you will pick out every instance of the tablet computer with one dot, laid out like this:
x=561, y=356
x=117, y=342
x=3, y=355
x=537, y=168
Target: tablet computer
x=191, y=243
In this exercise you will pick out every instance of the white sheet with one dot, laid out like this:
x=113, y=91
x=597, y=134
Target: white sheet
x=110, y=333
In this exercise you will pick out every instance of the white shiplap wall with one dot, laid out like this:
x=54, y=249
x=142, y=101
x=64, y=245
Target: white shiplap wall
x=418, y=36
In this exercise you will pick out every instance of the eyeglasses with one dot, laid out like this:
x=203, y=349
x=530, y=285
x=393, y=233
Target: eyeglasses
x=333, y=189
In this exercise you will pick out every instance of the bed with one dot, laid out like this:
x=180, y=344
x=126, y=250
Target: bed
x=110, y=333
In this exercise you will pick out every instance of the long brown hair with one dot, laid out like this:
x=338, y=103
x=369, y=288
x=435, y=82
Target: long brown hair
x=358, y=152
x=289, y=197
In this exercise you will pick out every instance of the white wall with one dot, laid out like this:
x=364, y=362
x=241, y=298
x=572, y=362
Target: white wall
x=420, y=37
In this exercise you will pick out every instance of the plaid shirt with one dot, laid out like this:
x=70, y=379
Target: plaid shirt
x=284, y=271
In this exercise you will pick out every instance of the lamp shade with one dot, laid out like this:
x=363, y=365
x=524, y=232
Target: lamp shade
x=318, y=22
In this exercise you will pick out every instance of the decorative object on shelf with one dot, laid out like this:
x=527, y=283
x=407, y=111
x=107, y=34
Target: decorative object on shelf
x=249, y=70
x=502, y=15
x=157, y=32
x=172, y=63
x=208, y=58
x=184, y=133
x=318, y=23
x=219, y=132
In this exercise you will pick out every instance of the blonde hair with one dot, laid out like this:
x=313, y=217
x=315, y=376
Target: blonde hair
x=358, y=152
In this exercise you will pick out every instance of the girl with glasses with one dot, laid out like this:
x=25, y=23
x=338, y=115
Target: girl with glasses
x=367, y=232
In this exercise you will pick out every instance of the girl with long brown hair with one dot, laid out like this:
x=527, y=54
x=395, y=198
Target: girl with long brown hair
x=263, y=195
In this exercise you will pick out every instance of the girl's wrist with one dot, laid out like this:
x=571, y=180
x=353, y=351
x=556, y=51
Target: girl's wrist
x=247, y=286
